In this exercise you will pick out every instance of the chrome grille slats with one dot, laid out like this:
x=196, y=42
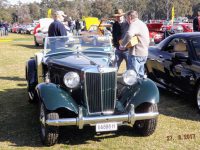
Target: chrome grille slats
x=100, y=90
x=108, y=90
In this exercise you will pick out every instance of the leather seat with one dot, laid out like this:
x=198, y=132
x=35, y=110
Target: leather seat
x=180, y=47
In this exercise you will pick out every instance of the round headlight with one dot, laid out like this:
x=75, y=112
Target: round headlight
x=71, y=79
x=130, y=77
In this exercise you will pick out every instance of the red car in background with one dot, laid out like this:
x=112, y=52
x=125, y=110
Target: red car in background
x=15, y=29
x=157, y=30
x=155, y=33
x=166, y=26
x=182, y=27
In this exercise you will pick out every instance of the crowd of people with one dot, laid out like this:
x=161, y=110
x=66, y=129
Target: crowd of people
x=61, y=26
x=3, y=28
x=124, y=29
x=126, y=26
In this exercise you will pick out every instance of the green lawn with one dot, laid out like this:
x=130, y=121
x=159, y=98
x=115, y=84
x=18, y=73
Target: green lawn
x=19, y=128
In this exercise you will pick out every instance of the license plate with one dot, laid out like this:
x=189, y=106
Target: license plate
x=110, y=126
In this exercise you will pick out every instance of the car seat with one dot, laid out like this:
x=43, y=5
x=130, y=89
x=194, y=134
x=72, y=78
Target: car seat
x=180, y=47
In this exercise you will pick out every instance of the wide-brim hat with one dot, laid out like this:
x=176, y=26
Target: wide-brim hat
x=118, y=13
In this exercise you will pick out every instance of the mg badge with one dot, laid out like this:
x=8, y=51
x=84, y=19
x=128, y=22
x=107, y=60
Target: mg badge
x=101, y=70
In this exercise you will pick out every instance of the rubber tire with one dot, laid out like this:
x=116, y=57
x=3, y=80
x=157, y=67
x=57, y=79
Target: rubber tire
x=196, y=97
x=36, y=43
x=49, y=135
x=31, y=90
x=146, y=127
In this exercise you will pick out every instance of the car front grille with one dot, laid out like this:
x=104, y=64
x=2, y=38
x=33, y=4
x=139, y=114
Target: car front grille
x=100, y=90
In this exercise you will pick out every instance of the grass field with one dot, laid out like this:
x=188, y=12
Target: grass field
x=19, y=128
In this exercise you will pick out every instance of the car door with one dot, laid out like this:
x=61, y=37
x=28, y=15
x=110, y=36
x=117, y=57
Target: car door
x=181, y=72
x=185, y=68
x=192, y=70
x=159, y=62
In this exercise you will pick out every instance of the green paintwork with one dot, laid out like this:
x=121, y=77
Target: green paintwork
x=54, y=97
x=144, y=91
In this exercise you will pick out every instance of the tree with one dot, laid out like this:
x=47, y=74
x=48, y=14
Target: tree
x=147, y=9
x=34, y=11
x=102, y=8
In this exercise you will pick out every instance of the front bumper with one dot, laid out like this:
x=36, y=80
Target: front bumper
x=80, y=121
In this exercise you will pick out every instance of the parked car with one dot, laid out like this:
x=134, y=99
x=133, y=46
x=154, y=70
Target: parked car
x=182, y=27
x=39, y=38
x=155, y=33
x=77, y=85
x=175, y=63
x=15, y=29
x=98, y=33
x=41, y=31
x=29, y=28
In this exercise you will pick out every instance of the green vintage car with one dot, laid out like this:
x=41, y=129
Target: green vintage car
x=76, y=84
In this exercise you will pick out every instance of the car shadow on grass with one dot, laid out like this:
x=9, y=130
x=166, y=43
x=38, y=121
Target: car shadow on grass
x=15, y=78
x=19, y=119
x=20, y=127
x=74, y=136
x=30, y=46
x=177, y=105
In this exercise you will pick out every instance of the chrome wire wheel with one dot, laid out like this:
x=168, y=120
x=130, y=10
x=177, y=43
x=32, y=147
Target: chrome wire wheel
x=198, y=97
x=42, y=120
x=48, y=134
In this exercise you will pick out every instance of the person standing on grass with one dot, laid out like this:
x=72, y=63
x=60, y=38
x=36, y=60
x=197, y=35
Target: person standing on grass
x=78, y=27
x=119, y=30
x=57, y=28
x=138, y=53
x=196, y=22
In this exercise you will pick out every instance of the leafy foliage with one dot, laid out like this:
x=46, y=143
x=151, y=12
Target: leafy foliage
x=148, y=9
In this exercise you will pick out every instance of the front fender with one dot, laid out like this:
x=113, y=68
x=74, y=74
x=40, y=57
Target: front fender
x=145, y=91
x=55, y=97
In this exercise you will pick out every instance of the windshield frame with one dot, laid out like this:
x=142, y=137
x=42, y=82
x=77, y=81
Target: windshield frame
x=105, y=46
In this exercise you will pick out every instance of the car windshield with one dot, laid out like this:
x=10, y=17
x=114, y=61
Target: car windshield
x=62, y=44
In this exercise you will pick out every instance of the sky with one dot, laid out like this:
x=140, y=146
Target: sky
x=13, y=2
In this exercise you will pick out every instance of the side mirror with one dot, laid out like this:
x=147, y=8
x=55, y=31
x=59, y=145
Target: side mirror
x=181, y=56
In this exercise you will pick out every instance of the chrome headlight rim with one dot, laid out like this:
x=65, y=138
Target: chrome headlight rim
x=71, y=79
x=130, y=77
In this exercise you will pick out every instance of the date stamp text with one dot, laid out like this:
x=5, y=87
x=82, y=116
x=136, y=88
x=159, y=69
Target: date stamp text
x=181, y=137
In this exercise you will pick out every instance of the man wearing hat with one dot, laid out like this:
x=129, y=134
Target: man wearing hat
x=120, y=28
x=196, y=22
x=57, y=28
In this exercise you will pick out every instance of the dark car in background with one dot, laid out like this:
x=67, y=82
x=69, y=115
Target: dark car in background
x=77, y=85
x=175, y=63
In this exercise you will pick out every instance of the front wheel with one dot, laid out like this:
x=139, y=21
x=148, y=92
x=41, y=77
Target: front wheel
x=198, y=97
x=146, y=127
x=49, y=134
x=32, y=96
x=36, y=43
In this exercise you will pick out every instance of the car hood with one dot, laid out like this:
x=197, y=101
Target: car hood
x=79, y=61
